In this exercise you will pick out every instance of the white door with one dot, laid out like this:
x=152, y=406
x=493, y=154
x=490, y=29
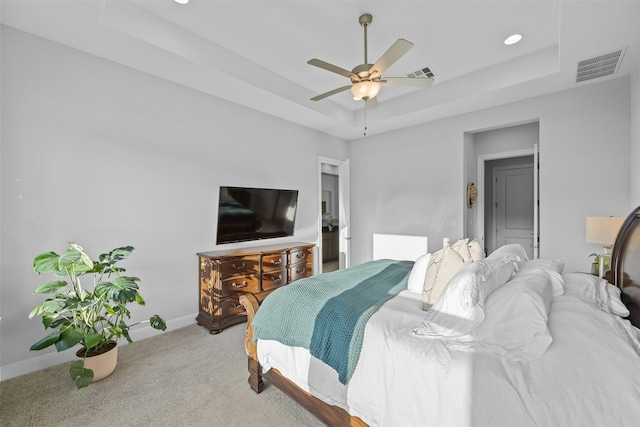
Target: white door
x=513, y=206
x=345, y=232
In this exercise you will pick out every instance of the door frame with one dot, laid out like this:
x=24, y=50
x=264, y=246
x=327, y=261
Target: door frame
x=480, y=185
x=343, y=207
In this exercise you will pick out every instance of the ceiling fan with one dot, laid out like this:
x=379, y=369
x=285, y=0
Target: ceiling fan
x=366, y=79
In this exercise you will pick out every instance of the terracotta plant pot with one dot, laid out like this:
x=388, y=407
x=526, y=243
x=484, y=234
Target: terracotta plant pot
x=102, y=364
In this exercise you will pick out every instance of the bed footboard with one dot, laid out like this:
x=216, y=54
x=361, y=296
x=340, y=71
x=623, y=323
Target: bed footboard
x=330, y=415
x=251, y=303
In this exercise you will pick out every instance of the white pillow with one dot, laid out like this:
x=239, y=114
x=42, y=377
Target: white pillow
x=554, y=267
x=462, y=247
x=468, y=250
x=514, y=249
x=460, y=308
x=418, y=273
x=441, y=268
x=515, y=324
x=476, y=250
x=596, y=291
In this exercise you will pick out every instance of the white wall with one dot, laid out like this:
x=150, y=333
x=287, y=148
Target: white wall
x=635, y=138
x=100, y=154
x=411, y=181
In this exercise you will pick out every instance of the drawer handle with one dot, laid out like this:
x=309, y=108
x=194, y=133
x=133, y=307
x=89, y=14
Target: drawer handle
x=301, y=255
x=239, y=267
x=237, y=305
x=304, y=270
x=274, y=262
x=276, y=279
x=241, y=285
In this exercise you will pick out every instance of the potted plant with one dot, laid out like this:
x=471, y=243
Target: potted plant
x=91, y=316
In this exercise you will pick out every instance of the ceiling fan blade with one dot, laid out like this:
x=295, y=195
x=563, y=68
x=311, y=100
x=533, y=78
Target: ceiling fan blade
x=330, y=67
x=407, y=81
x=395, y=52
x=331, y=92
x=371, y=103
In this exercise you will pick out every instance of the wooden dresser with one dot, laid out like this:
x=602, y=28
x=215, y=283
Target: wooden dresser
x=227, y=274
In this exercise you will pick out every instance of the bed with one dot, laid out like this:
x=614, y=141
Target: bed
x=541, y=347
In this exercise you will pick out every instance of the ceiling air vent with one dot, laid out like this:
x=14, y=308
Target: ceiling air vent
x=599, y=66
x=425, y=72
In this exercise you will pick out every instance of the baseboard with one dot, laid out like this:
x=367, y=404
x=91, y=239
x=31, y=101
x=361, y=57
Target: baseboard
x=52, y=359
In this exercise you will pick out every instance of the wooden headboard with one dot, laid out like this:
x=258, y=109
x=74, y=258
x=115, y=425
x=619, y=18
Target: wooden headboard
x=625, y=264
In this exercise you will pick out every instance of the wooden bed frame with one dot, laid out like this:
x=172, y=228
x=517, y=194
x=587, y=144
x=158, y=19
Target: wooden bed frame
x=625, y=265
x=329, y=414
x=626, y=252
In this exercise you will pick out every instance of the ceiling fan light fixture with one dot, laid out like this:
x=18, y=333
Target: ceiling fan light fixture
x=513, y=39
x=181, y=1
x=365, y=90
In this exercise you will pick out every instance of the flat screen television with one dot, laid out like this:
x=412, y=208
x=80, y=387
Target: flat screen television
x=255, y=213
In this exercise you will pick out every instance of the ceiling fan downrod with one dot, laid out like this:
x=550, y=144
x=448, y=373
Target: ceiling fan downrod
x=365, y=21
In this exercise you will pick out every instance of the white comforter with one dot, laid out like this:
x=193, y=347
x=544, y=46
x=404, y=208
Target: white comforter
x=589, y=376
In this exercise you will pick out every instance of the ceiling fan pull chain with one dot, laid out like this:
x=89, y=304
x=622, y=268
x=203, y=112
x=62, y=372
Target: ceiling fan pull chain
x=365, y=122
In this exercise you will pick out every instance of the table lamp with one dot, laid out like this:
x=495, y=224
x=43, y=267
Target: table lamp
x=603, y=230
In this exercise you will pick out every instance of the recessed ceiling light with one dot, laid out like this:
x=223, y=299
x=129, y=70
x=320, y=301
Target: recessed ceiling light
x=181, y=1
x=513, y=39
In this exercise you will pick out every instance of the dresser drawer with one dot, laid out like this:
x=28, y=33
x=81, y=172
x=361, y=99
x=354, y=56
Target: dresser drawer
x=299, y=255
x=246, y=283
x=274, y=260
x=246, y=265
x=231, y=306
x=274, y=279
x=300, y=271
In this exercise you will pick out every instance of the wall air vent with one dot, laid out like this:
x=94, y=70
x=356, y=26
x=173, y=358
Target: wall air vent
x=599, y=66
x=425, y=72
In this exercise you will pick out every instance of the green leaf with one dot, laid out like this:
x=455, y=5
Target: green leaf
x=122, y=289
x=69, y=338
x=117, y=331
x=51, y=287
x=158, y=322
x=47, y=321
x=49, y=306
x=75, y=261
x=81, y=377
x=52, y=321
x=116, y=255
x=46, y=341
x=92, y=340
x=75, y=247
x=46, y=263
x=110, y=311
x=125, y=333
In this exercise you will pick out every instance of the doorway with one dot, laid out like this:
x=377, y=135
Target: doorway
x=509, y=206
x=333, y=218
x=515, y=175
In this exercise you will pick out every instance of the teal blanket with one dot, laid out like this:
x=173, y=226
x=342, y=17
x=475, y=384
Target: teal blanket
x=327, y=313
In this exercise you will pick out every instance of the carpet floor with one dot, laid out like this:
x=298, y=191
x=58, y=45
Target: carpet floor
x=184, y=377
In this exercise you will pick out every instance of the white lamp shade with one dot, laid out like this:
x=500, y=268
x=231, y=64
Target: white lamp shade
x=603, y=230
x=365, y=90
